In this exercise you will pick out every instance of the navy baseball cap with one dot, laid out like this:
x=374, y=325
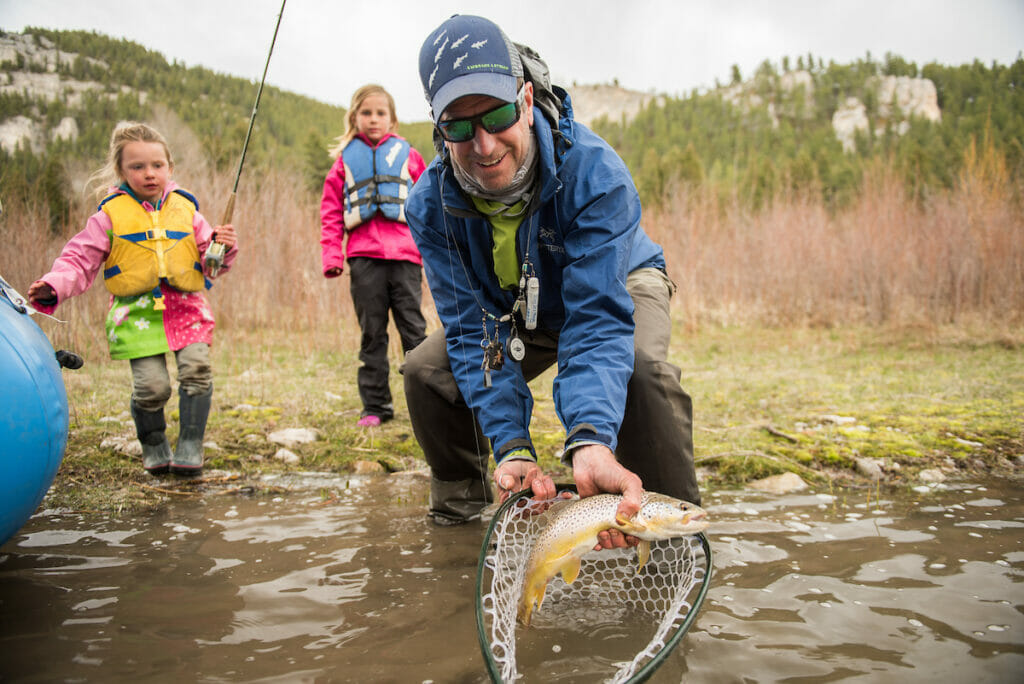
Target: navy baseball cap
x=468, y=55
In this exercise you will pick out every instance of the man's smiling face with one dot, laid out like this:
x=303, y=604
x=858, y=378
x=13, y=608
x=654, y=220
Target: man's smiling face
x=491, y=159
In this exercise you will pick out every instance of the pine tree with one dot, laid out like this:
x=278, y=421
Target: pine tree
x=52, y=187
x=318, y=162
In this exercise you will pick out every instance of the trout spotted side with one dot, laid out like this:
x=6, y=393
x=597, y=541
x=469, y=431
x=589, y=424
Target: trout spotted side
x=572, y=532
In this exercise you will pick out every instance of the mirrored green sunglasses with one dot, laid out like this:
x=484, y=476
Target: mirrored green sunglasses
x=494, y=120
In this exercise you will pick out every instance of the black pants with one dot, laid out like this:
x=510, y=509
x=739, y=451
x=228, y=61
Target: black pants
x=379, y=286
x=655, y=438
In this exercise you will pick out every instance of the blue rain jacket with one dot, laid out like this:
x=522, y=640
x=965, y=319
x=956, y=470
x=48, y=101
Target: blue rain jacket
x=583, y=237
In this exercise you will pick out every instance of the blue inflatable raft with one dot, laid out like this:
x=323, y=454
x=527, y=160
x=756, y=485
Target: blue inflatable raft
x=33, y=413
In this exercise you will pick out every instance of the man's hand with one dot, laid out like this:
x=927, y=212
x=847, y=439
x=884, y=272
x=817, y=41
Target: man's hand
x=514, y=475
x=596, y=471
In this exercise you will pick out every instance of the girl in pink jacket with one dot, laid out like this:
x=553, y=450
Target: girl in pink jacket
x=147, y=239
x=362, y=217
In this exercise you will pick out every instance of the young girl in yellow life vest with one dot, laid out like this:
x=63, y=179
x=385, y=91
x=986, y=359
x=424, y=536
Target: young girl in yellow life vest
x=362, y=218
x=148, y=240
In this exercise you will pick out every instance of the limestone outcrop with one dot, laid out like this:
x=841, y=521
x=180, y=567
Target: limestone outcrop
x=899, y=98
x=591, y=102
x=36, y=67
x=39, y=79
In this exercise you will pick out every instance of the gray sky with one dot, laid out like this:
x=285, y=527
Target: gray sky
x=328, y=48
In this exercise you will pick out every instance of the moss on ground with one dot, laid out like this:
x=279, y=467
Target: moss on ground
x=766, y=401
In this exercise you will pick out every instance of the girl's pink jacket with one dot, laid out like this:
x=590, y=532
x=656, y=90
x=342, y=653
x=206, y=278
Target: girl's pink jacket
x=379, y=238
x=83, y=257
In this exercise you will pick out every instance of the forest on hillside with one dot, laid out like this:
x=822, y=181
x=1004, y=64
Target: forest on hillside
x=764, y=216
x=745, y=153
x=292, y=132
x=753, y=154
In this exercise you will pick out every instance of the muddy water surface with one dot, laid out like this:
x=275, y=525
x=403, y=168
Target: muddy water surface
x=344, y=580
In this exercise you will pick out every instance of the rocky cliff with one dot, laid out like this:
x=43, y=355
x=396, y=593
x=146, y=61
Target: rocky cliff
x=591, y=102
x=899, y=98
x=30, y=67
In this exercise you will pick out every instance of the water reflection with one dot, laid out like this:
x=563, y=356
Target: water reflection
x=824, y=588
x=344, y=580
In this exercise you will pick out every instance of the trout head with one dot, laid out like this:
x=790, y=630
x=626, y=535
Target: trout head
x=662, y=517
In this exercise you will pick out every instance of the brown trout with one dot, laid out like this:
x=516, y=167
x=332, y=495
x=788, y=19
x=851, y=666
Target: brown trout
x=572, y=532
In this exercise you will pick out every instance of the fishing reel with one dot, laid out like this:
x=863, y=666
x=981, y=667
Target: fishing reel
x=214, y=258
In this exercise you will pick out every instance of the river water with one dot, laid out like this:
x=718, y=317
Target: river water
x=343, y=580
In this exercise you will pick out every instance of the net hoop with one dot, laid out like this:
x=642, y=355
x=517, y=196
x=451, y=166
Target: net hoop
x=502, y=668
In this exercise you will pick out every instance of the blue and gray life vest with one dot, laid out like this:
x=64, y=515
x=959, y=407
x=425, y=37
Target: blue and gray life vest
x=376, y=179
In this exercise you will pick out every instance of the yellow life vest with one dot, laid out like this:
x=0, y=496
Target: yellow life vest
x=147, y=247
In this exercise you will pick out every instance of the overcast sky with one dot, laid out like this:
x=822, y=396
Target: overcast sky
x=328, y=48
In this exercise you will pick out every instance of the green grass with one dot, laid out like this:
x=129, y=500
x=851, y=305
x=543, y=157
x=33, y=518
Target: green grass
x=762, y=401
x=915, y=401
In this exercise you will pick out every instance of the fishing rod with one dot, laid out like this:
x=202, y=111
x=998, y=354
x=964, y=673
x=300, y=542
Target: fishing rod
x=215, y=252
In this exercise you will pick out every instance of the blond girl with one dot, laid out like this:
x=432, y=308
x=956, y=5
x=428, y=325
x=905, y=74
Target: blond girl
x=362, y=218
x=148, y=240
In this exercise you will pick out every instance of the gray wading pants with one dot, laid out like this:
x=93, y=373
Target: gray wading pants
x=655, y=438
x=151, y=383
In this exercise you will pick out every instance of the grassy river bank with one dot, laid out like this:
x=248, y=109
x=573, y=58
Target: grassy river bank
x=853, y=343
x=766, y=401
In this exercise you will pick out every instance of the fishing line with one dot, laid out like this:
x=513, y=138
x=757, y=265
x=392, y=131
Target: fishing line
x=526, y=267
x=214, y=258
x=450, y=241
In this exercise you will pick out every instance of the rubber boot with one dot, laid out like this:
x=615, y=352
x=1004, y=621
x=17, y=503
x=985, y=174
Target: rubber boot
x=150, y=426
x=457, y=502
x=188, y=455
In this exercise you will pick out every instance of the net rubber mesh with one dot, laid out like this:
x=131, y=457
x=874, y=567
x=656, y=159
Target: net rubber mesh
x=663, y=597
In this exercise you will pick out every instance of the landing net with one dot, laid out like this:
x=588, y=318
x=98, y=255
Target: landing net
x=665, y=595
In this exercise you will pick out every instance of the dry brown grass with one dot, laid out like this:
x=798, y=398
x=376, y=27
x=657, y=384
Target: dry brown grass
x=755, y=291
x=275, y=285
x=887, y=260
